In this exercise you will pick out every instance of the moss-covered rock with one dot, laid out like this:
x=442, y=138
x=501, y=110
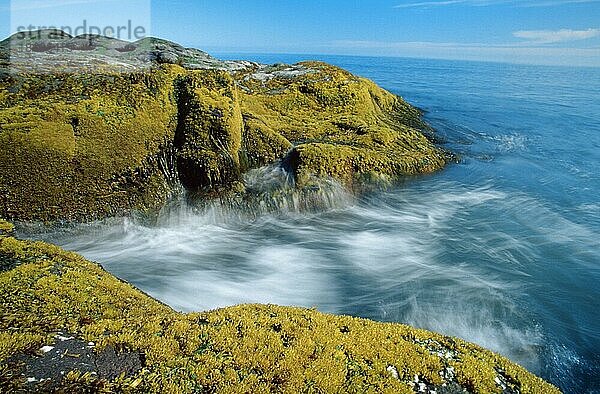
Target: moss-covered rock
x=261, y=145
x=341, y=126
x=209, y=134
x=6, y=228
x=78, y=147
x=249, y=348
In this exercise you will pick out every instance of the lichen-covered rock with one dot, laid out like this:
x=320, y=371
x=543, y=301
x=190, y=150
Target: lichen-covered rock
x=341, y=126
x=261, y=145
x=79, y=146
x=249, y=348
x=209, y=134
x=6, y=228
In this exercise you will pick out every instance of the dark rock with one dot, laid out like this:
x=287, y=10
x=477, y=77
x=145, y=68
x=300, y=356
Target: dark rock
x=48, y=368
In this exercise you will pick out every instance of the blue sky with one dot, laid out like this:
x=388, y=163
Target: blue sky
x=525, y=31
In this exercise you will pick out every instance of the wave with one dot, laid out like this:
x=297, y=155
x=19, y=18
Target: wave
x=474, y=262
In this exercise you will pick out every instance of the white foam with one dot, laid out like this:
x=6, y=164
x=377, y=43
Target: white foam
x=279, y=274
x=446, y=257
x=476, y=321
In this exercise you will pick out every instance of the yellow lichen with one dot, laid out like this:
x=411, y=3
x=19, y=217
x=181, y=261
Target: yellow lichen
x=209, y=134
x=342, y=126
x=80, y=147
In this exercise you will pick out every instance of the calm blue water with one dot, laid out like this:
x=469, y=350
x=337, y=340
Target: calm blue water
x=502, y=249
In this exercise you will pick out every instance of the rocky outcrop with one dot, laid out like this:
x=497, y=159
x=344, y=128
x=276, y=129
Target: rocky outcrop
x=54, y=51
x=93, y=127
x=83, y=145
x=339, y=125
x=209, y=133
x=119, y=339
x=79, y=147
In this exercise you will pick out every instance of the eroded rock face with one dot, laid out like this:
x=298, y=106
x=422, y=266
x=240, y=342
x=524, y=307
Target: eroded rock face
x=116, y=329
x=80, y=146
x=209, y=132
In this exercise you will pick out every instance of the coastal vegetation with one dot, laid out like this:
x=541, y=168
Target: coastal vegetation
x=83, y=146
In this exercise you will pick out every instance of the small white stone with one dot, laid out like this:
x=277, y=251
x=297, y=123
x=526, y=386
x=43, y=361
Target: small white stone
x=422, y=387
x=499, y=382
x=91, y=344
x=46, y=349
x=416, y=378
x=392, y=370
x=31, y=380
x=62, y=339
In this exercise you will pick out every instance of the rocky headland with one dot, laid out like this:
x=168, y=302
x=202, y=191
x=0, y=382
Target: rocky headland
x=92, y=127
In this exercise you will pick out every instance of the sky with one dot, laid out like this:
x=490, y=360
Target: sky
x=563, y=32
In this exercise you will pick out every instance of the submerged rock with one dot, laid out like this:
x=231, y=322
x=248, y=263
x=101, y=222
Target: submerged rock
x=79, y=145
x=122, y=340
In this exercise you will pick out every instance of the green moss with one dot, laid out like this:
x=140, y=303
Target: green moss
x=248, y=348
x=80, y=147
x=261, y=145
x=209, y=135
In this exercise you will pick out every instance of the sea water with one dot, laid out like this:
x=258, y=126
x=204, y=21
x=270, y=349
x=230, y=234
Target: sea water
x=501, y=249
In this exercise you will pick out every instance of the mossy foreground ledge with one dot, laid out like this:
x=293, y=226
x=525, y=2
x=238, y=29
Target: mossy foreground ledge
x=102, y=127
x=52, y=299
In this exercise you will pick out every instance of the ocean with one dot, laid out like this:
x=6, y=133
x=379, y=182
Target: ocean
x=501, y=248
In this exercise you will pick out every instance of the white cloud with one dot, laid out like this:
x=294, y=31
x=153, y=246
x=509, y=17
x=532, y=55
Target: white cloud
x=483, y=3
x=473, y=51
x=555, y=36
x=430, y=4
